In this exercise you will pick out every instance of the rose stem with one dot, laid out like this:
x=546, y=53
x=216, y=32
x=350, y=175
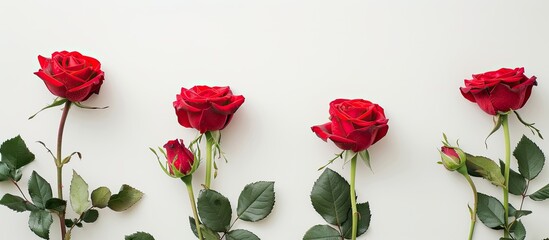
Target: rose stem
x=353, y=197
x=59, y=165
x=463, y=171
x=209, y=145
x=505, y=124
x=188, y=180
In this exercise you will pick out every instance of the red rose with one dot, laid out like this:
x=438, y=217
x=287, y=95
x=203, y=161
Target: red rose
x=206, y=108
x=179, y=157
x=355, y=124
x=71, y=75
x=499, y=91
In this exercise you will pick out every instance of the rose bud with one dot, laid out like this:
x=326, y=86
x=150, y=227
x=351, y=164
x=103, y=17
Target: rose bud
x=71, y=75
x=180, y=159
x=452, y=158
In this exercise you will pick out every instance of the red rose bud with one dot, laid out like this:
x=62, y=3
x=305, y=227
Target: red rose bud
x=499, y=91
x=355, y=124
x=71, y=75
x=180, y=159
x=452, y=158
x=206, y=108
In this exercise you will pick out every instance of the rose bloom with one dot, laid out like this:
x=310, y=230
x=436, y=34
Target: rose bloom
x=499, y=91
x=206, y=108
x=179, y=157
x=354, y=124
x=71, y=75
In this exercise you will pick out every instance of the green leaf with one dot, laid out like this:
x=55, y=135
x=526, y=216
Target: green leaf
x=16, y=174
x=125, y=198
x=79, y=194
x=363, y=221
x=40, y=222
x=321, y=232
x=479, y=166
x=517, y=183
x=490, y=211
x=256, y=201
x=15, y=153
x=530, y=158
x=4, y=172
x=14, y=203
x=518, y=231
x=39, y=190
x=541, y=194
x=330, y=197
x=100, y=197
x=521, y=213
x=207, y=234
x=214, y=210
x=90, y=216
x=69, y=223
x=56, y=102
x=241, y=234
x=56, y=204
x=139, y=236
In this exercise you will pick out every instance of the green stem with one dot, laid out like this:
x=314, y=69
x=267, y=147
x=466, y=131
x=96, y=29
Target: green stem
x=209, y=146
x=188, y=180
x=59, y=165
x=505, y=124
x=473, y=212
x=353, y=198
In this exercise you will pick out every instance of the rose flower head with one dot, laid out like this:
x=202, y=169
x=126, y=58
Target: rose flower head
x=354, y=124
x=206, y=108
x=180, y=160
x=499, y=91
x=71, y=75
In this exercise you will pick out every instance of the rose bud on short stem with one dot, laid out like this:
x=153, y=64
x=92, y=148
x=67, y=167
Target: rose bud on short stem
x=180, y=163
x=454, y=159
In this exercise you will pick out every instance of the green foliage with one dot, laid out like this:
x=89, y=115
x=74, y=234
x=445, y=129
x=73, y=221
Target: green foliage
x=490, y=211
x=14, y=203
x=541, y=194
x=90, y=216
x=214, y=210
x=479, y=166
x=40, y=222
x=56, y=204
x=139, y=236
x=241, y=234
x=363, y=221
x=530, y=158
x=39, y=190
x=518, y=231
x=517, y=183
x=79, y=194
x=330, y=197
x=256, y=201
x=321, y=232
x=15, y=153
x=4, y=172
x=125, y=198
x=100, y=197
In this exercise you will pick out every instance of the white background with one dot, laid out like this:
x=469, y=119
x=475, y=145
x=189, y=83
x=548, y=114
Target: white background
x=289, y=59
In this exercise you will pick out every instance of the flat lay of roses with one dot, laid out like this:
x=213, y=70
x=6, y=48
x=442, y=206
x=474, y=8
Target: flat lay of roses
x=69, y=206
